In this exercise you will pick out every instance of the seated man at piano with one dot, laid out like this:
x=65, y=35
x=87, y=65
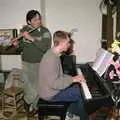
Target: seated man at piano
x=54, y=85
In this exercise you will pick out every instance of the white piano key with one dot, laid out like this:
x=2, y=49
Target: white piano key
x=85, y=87
x=86, y=90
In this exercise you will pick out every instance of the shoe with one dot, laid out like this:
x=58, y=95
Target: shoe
x=70, y=116
x=26, y=106
x=30, y=111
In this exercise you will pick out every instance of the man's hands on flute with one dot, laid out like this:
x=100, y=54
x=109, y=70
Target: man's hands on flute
x=15, y=43
x=26, y=35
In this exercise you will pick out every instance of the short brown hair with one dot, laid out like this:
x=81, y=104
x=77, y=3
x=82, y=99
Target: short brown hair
x=31, y=14
x=59, y=35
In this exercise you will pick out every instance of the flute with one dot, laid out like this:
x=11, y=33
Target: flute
x=20, y=36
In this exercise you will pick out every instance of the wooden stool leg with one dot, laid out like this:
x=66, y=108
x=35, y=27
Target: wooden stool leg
x=63, y=117
x=41, y=117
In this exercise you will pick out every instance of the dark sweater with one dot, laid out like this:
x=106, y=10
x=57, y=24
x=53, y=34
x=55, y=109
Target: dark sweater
x=33, y=52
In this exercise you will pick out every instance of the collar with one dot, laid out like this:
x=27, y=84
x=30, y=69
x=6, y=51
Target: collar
x=39, y=29
x=34, y=28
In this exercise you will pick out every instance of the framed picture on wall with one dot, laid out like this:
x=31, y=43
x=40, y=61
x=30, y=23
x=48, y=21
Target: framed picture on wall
x=6, y=35
x=5, y=41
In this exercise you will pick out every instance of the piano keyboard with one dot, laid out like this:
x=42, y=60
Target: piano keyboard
x=85, y=87
x=95, y=93
x=86, y=91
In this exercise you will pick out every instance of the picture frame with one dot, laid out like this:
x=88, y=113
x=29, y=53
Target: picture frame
x=5, y=41
x=6, y=35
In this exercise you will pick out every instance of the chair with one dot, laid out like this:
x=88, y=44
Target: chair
x=12, y=99
x=51, y=108
x=13, y=96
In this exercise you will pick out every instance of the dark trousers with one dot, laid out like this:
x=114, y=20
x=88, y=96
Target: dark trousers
x=73, y=94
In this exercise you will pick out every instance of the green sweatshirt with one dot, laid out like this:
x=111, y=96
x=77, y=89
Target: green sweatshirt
x=33, y=52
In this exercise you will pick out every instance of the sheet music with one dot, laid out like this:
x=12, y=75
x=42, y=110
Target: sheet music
x=102, y=61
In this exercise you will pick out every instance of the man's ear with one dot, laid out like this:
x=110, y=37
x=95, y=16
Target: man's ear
x=29, y=22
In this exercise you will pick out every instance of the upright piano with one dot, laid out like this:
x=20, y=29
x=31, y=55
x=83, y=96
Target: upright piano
x=98, y=87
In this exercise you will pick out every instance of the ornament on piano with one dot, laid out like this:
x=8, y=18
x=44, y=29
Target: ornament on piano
x=115, y=46
x=113, y=71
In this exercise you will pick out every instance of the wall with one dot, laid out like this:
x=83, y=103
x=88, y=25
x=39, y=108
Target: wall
x=13, y=12
x=83, y=15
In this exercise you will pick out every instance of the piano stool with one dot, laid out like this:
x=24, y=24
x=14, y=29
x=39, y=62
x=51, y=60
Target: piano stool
x=51, y=108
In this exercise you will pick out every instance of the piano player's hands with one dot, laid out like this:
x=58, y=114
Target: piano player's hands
x=79, y=78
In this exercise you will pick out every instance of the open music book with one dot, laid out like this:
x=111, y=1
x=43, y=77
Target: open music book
x=102, y=61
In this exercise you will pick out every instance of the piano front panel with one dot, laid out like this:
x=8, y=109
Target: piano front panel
x=98, y=88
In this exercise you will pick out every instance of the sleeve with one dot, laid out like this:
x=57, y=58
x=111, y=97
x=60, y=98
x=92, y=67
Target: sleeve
x=21, y=44
x=62, y=82
x=21, y=41
x=44, y=42
x=58, y=81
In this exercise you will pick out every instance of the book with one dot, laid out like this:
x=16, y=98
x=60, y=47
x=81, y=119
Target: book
x=102, y=61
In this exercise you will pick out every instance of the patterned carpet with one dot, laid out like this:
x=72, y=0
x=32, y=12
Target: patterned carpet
x=100, y=115
x=22, y=116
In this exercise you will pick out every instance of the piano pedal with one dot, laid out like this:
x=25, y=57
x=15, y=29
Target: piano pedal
x=100, y=114
x=92, y=116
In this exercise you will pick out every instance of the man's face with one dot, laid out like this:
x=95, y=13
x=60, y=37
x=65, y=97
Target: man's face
x=36, y=21
x=65, y=44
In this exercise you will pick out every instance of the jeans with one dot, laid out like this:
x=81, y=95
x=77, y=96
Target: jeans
x=72, y=94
